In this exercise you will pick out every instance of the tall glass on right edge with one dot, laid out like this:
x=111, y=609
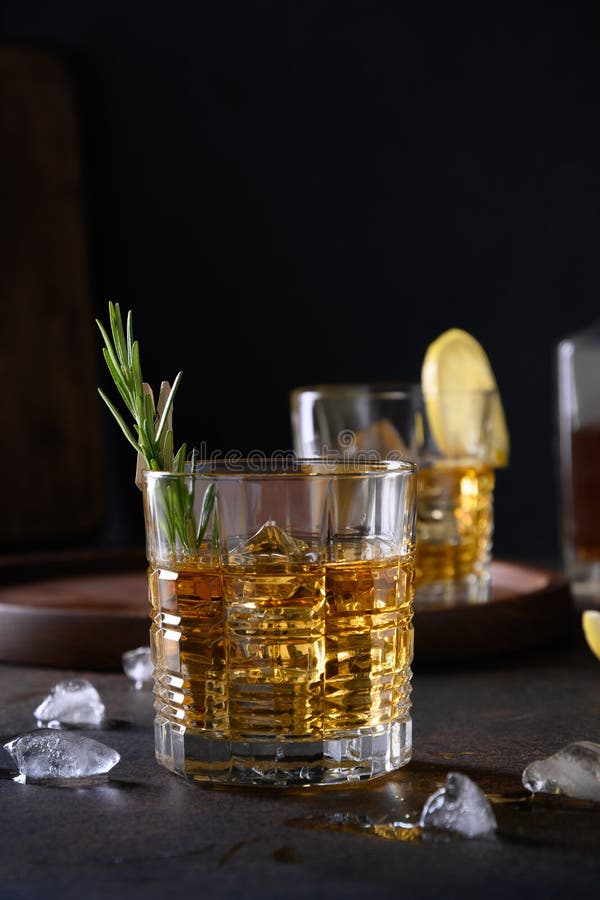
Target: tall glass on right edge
x=578, y=427
x=449, y=437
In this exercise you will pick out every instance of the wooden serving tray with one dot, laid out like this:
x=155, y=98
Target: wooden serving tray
x=83, y=610
x=528, y=608
x=73, y=610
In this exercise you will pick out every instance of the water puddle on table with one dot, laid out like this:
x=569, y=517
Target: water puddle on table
x=362, y=824
x=391, y=810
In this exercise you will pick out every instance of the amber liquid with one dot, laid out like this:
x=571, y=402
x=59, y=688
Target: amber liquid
x=298, y=656
x=585, y=449
x=454, y=522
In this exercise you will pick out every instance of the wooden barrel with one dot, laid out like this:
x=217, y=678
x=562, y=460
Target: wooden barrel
x=52, y=486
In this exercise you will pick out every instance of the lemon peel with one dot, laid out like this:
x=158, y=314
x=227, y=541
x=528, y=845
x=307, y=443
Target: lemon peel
x=456, y=362
x=590, y=621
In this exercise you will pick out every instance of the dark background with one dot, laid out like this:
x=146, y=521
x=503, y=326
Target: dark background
x=296, y=192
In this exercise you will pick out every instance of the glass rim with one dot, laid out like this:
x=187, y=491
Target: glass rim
x=393, y=390
x=386, y=390
x=246, y=468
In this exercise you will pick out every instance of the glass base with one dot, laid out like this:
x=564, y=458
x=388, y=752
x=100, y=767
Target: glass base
x=469, y=589
x=347, y=758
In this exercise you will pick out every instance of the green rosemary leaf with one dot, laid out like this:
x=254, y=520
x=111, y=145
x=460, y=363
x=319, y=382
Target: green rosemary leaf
x=138, y=412
x=170, y=516
x=120, y=421
x=118, y=380
x=149, y=414
x=160, y=446
x=136, y=371
x=207, y=508
x=116, y=325
x=179, y=460
x=110, y=348
x=165, y=413
x=167, y=528
x=190, y=531
x=130, y=338
x=180, y=519
x=146, y=441
x=115, y=371
x=186, y=511
x=216, y=540
x=166, y=452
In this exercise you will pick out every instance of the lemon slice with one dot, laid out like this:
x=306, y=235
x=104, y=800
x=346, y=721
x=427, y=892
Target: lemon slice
x=456, y=362
x=590, y=621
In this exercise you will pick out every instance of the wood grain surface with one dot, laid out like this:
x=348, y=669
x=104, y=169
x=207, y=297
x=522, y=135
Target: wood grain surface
x=528, y=608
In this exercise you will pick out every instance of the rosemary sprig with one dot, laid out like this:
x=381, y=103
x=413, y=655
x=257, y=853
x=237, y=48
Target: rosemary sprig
x=153, y=436
x=151, y=433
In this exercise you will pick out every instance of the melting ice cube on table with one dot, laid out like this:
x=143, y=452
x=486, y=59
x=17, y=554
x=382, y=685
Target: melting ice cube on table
x=73, y=702
x=574, y=771
x=137, y=665
x=46, y=754
x=460, y=807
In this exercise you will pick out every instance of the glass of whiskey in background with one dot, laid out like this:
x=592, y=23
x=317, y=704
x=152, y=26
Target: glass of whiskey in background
x=578, y=431
x=455, y=507
x=281, y=595
x=447, y=435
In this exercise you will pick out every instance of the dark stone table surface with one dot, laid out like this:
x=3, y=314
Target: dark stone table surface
x=148, y=834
